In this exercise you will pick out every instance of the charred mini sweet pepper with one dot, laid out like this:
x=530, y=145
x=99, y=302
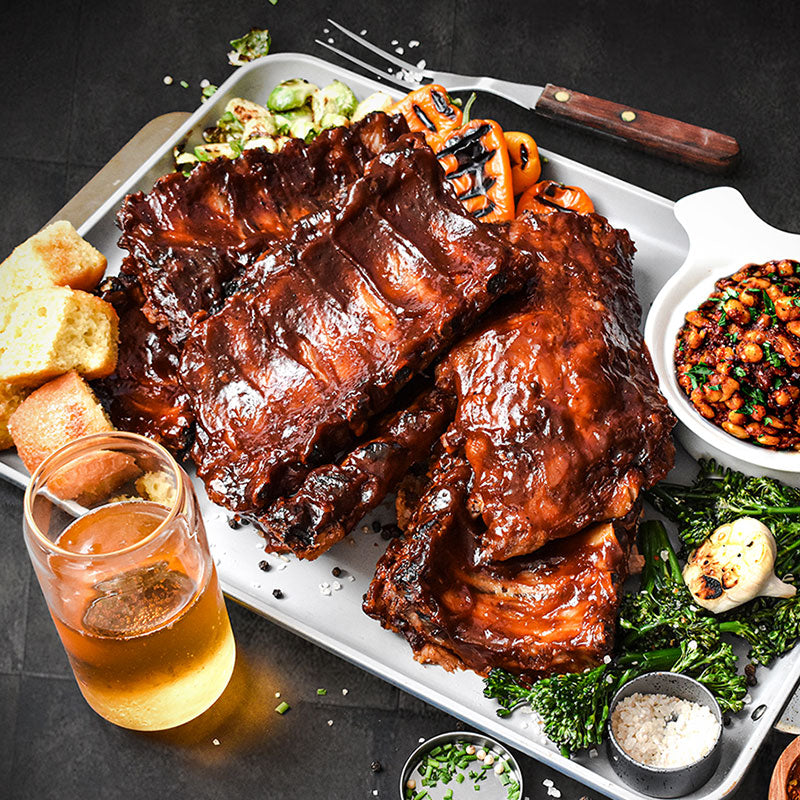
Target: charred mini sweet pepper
x=548, y=196
x=475, y=161
x=429, y=109
x=524, y=157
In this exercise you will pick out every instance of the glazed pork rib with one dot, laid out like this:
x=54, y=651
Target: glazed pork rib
x=143, y=394
x=558, y=409
x=554, y=611
x=190, y=235
x=333, y=498
x=336, y=320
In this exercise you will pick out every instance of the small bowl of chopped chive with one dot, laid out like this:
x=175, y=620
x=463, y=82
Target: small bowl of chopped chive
x=455, y=765
x=664, y=734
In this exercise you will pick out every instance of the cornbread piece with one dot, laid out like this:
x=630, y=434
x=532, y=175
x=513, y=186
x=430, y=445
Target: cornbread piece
x=10, y=398
x=56, y=256
x=92, y=478
x=156, y=487
x=554, y=611
x=335, y=321
x=48, y=332
x=54, y=415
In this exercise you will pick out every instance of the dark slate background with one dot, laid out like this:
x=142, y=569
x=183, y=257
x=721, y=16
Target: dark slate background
x=81, y=78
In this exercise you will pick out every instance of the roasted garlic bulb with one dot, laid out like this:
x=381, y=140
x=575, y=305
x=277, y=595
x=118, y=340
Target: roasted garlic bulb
x=734, y=565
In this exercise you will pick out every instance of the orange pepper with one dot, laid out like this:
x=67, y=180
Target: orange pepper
x=546, y=197
x=428, y=109
x=524, y=156
x=475, y=161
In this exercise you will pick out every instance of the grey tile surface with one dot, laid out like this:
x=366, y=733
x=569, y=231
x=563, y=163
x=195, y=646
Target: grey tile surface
x=37, y=68
x=9, y=703
x=34, y=191
x=15, y=575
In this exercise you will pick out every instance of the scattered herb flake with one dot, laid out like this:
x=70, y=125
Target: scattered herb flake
x=254, y=44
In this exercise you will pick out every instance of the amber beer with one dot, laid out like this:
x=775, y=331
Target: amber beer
x=130, y=583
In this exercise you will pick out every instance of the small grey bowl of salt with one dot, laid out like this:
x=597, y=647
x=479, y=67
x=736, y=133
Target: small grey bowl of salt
x=664, y=734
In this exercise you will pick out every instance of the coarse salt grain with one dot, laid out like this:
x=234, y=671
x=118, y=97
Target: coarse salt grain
x=167, y=79
x=663, y=731
x=330, y=40
x=336, y=586
x=547, y=782
x=330, y=722
x=665, y=555
x=205, y=82
x=345, y=691
x=413, y=43
x=215, y=742
x=277, y=694
x=363, y=31
x=606, y=659
x=399, y=50
x=351, y=578
x=394, y=42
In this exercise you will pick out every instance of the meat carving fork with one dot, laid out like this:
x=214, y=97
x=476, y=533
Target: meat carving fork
x=671, y=139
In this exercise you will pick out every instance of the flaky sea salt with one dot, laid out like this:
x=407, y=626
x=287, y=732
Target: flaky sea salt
x=663, y=731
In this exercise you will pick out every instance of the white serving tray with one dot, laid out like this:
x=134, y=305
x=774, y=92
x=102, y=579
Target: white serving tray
x=336, y=621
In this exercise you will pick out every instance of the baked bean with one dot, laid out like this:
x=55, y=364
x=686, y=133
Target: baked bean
x=735, y=430
x=737, y=355
x=750, y=352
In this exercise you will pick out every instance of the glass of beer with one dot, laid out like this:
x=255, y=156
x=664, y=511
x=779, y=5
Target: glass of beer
x=120, y=551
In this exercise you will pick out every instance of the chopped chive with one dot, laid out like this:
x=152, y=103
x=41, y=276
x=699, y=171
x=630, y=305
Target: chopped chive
x=322, y=691
x=283, y=708
x=460, y=778
x=184, y=84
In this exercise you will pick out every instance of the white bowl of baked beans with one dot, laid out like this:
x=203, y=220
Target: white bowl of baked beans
x=724, y=335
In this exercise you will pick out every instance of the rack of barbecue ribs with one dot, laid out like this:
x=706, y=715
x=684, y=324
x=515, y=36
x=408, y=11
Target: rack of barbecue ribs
x=557, y=409
x=187, y=241
x=552, y=611
x=514, y=554
x=335, y=320
x=191, y=234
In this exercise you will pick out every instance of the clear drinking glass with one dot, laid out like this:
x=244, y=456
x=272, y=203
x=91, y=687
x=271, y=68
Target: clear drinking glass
x=120, y=551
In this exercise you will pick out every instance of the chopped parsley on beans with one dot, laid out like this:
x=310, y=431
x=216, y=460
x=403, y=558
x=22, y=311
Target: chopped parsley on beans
x=737, y=356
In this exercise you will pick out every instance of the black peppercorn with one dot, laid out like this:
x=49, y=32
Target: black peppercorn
x=376, y=766
x=263, y=566
x=277, y=594
x=234, y=523
x=376, y=526
x=336, y=572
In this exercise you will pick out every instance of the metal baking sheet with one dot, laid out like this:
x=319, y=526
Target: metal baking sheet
x=335, y=621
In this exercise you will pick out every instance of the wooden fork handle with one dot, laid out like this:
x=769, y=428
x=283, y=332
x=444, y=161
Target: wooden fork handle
x=669, y=138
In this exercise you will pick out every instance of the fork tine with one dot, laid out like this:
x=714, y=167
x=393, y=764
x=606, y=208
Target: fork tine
x=378, y=51
x=401, y=82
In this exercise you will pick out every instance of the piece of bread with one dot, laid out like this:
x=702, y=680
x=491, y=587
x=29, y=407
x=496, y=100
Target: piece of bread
x=10, y=398
x=56, y=256
x=93, y=478
x=47, y=332
x=157, y=487
x=54, y=415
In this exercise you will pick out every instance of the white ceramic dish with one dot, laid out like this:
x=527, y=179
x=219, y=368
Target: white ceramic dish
x=335, y=621
x=724, y=234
